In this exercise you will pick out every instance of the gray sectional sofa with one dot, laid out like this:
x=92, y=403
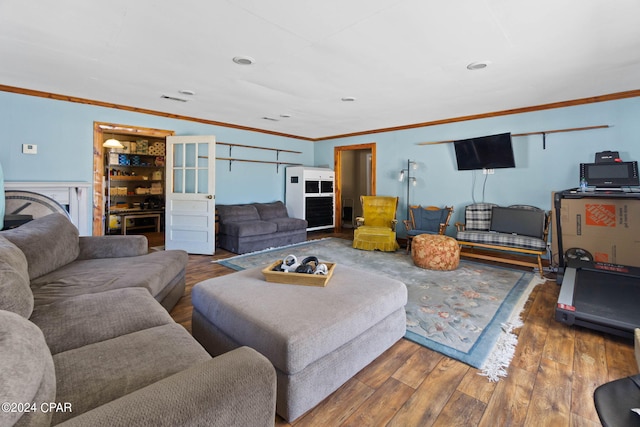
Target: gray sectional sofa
x=84, y=339
x=256, y=226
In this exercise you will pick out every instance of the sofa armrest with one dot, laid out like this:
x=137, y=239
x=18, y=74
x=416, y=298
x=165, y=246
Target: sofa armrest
x=237, y=388
x=460, y=226
x=92, y=247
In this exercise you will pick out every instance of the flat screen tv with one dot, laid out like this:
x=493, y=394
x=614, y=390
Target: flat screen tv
x=486, y=152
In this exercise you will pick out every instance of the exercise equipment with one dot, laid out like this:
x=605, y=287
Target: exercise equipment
x=600, y=296
x=604, y=296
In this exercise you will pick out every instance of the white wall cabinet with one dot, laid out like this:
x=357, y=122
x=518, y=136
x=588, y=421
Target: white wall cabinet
x=310, y=196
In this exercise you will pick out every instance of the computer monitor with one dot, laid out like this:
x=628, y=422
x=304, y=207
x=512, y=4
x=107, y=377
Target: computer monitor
x=610, y=175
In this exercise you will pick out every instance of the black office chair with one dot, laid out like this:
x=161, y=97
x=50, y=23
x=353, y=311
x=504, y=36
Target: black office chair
x=615, y=400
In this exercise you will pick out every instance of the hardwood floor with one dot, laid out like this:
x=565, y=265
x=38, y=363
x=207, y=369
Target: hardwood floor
x=550, y=381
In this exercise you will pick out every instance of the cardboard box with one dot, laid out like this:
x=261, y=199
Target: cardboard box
x=606, y=227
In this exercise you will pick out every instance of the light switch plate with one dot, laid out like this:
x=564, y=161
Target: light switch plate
x=29, y=149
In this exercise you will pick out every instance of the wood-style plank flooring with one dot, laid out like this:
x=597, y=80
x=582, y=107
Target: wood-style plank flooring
x=550, y=381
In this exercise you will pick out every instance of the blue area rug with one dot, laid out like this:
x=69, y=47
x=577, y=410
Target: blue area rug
x=467, y=314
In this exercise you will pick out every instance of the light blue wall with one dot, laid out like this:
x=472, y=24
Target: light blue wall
x=63, y=132
x=538, y=171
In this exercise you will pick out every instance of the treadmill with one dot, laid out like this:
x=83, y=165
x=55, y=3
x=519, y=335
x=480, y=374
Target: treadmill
x=596, y=295
x=600, y=296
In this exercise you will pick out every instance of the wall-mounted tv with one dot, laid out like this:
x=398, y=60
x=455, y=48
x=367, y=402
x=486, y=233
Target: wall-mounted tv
x=486, y=152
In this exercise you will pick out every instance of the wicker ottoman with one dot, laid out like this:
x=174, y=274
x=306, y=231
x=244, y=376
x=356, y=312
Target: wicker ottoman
x=317, y=338
x=435, y=252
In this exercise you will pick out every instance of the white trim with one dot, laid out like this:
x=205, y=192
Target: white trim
x=72, y=195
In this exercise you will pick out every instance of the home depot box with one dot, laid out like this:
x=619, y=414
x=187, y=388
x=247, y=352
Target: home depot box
x=608, y=228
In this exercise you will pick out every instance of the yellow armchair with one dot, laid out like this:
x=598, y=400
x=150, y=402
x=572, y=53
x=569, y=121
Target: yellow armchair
x=376, y=228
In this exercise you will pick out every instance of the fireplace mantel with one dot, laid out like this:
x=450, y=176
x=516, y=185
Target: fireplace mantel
x=74, y=196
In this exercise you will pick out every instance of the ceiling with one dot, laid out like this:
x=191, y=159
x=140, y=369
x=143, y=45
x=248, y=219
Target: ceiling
x=404, y=61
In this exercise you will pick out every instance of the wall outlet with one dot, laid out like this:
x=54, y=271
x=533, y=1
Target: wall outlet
x=29, y=149
x=488, y=171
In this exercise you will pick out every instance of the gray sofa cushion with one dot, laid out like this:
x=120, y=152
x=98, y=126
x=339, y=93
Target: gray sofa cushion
x=15, y=292
x=269, y=211
x=248, y=228
x=112, y=246
x=26, y=371
x=151, y=271
x=87, y=319
x=237, y=213
x=48, y=243
x=234, y=389
x=99, y=373
x=290, y=224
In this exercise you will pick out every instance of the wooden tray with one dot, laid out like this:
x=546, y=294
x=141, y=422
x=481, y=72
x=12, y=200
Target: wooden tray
x=297, y=278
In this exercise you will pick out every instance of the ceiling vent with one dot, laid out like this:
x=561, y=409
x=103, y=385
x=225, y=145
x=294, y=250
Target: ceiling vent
x=173, y=98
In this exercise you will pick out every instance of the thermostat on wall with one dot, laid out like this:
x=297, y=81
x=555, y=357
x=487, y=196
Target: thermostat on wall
x=29, y=149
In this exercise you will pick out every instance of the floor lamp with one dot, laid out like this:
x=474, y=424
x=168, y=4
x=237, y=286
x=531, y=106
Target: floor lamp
x=411, y=180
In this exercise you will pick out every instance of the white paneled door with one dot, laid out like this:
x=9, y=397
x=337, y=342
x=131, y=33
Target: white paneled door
x=190, y=188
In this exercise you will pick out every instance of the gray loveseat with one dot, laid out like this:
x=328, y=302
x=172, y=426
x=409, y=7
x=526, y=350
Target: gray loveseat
x=84, y=340
x=256, y=226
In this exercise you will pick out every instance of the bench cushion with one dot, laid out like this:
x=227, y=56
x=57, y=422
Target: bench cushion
x=502, y=239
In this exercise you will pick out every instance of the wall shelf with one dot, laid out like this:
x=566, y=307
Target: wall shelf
x=544, y=134
x=231, y=160
x=277, y=162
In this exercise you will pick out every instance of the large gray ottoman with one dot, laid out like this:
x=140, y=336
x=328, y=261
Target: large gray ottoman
x=316, y=337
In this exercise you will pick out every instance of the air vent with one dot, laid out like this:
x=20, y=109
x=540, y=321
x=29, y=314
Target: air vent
x=173, y=98
x=270, y=119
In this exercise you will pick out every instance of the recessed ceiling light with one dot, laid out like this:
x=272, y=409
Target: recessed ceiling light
x=479, y=65
x=187, y=92
x=270, y=119
x=243, y=60
x=285, y=115
x=348, y=98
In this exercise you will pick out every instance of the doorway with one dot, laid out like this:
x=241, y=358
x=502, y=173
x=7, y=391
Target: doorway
x=101, y=132
x=355, y=168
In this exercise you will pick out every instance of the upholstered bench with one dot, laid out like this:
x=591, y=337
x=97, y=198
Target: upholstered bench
x=316, y=337
x=519, y=229
x=435, y=252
